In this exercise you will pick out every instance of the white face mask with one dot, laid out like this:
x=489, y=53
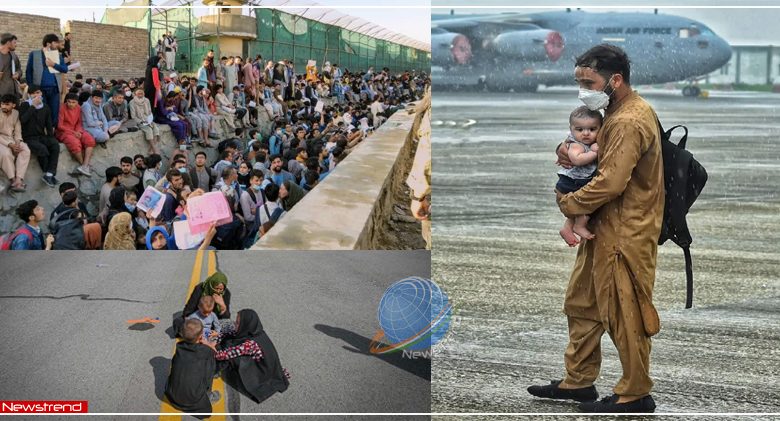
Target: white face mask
x=595, y=100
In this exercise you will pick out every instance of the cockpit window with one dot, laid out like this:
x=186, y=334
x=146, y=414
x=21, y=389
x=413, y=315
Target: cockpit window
x=689, y=32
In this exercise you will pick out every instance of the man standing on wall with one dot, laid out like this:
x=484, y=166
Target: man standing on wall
x=10, y=67
x=39, y=73
x=66, y=54
x=170, y=54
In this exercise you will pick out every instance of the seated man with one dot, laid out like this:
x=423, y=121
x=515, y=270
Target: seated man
x=277, y=174
x=239, y=103
x=298, y=164
x=141, y=110
x=201, y=175
x=64, y=188
x=140, y=165
x=112, y=180
x=179, y=164
x=14, y=153
x=173, y=195
x=38, y=133
x=95, y=121
x=130, y=181
x=116, y=112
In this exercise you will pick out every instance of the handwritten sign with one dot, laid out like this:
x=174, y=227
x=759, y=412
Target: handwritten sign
x=318, y=108
x=153, y=200
x=208, y=208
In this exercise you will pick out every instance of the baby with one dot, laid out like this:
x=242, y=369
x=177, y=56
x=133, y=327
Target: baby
x=582, y=149
x=206, y=316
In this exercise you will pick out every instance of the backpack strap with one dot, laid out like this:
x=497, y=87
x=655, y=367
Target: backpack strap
x=265, y=206
x=689, y=277
x=22, y=230
x=667, y=134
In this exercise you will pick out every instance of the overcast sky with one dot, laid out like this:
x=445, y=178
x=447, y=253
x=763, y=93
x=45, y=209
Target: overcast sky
x=737, y=26
x=414, y=23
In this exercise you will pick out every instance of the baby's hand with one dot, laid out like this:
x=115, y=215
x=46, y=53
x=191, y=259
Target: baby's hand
x=594, y=147
x=213, y=334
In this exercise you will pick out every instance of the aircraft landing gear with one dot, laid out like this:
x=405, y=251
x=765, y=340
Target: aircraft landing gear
x=691, y=91
x=481, y=85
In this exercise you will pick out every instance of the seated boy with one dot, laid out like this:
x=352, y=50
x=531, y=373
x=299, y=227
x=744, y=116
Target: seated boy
x=207, y=317
x=192, y=371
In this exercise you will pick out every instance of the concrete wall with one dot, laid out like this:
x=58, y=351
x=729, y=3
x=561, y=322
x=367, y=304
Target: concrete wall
x=348, y=210
x=110, y=51
x=30, y=30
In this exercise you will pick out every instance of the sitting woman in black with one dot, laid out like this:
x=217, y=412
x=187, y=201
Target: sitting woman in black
x=249, y=359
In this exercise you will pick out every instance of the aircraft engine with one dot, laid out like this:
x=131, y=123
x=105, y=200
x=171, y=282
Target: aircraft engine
x=537, y=44
x=450, y=48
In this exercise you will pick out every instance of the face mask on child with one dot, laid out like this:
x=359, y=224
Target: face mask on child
x=130, y=207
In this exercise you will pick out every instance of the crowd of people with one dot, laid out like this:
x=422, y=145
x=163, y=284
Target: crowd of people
x=315, y=119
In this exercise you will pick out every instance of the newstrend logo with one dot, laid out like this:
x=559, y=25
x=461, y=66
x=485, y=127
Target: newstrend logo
x=43, y=407
x=414, y=314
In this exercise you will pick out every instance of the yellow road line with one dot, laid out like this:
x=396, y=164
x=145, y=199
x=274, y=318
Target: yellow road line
x=218, y=384
x=165, y=406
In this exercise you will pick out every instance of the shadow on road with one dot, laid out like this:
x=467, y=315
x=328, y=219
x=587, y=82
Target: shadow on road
x=420, y=367
x=160, y=368
x=170, y=330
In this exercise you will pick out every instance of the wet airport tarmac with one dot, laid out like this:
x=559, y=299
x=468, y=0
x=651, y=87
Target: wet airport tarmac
x=498, y=255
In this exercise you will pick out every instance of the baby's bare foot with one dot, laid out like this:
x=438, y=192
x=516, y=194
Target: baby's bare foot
x=568, y=236
x=583, y=232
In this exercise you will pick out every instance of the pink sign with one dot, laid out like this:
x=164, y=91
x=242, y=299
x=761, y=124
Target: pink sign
x=205, y=209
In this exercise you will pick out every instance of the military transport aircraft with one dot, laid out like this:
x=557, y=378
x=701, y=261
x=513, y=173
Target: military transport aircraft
x=523, y=51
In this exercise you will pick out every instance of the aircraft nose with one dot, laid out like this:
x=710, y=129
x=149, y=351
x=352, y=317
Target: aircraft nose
x=721, y=50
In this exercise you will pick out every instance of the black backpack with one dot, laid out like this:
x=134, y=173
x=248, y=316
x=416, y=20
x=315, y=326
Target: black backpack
x=68, y=230
x=684, y=179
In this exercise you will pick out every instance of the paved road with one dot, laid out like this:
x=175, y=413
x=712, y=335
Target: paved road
x=498, y=254
x=64, y=320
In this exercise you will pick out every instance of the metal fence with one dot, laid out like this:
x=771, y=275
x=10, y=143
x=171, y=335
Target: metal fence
x=279, y=35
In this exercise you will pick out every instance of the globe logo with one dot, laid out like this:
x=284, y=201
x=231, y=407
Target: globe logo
x=414, y=314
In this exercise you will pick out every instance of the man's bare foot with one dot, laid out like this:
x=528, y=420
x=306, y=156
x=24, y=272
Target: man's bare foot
x=583, y=232
x=568, y=236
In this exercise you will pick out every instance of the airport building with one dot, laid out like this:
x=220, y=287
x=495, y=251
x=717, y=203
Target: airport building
x=233, y=27
x=749, y=65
